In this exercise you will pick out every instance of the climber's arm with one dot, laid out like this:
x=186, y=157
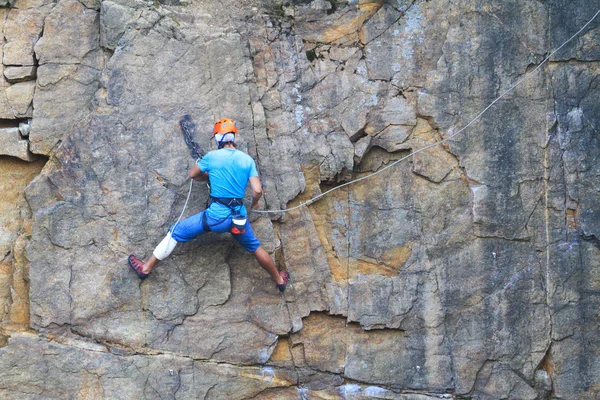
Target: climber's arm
x=196, y=174
x=256, y=190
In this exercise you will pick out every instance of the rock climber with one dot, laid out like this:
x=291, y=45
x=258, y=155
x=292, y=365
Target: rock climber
x=228, y=171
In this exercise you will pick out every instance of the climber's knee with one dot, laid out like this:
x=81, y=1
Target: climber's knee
x=165, y=247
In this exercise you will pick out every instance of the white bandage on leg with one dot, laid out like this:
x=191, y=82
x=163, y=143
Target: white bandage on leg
x=165, y=247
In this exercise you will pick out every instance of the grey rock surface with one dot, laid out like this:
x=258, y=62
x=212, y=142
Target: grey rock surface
x=24, y=128
x=114, y=20
x=469, y=270
x=83, y=370
x=70, y=61
x=12, y=144
x=19, y=74
x=19, y=98
x=22, y=29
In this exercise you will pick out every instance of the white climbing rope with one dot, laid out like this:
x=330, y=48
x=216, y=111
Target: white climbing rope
x=312, y=200
x=184, y=207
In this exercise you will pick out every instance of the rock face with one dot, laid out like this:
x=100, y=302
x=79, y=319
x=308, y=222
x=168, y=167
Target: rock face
x=15, y=230
x=470, y=270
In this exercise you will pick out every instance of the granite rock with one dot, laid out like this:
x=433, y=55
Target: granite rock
x=70, y=60
x=79, y=369
x=19, y=74
x=19, y=98
x=13, y=144
x=22, y=30
x=15, y=219
x=114, y=20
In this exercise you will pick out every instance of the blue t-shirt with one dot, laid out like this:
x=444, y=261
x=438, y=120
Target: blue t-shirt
x=228, y=173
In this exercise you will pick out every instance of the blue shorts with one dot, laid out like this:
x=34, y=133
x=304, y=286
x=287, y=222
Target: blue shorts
x=192, y=227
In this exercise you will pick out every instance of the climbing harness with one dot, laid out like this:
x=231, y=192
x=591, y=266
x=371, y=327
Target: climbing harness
x=193, y=145
x=238, y=221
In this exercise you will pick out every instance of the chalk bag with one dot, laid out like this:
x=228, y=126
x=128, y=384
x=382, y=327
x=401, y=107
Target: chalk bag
x=238, y=224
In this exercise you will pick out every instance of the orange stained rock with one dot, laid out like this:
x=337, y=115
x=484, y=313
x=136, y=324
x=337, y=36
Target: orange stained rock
x=15, y=218
x=91, y=387
x=572, y=219
x=271, y=375
x=346, y=27
x=282, y=352
x=369, y=7
x=397, y=256
x=19, y=312
x=323, y=338
x=322, y=212
x=369, y=266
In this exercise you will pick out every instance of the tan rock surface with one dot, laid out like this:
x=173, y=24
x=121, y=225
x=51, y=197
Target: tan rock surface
x=20, y=97
x=70, y=60
x=466, y=271
x=22, y=29
x=15, y=220
x=18, y=74
x=12, y=144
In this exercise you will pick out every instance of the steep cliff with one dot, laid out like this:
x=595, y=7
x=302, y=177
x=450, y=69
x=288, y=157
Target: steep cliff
x=470, y=270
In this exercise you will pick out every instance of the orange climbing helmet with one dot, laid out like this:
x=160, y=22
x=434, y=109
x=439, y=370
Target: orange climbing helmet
x=225, y=125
